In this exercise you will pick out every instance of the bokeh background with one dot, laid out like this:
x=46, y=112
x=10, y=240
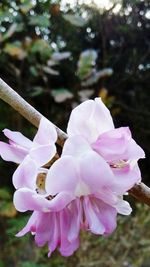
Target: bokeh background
x=57, y=54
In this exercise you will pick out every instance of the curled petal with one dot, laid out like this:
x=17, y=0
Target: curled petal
x=134, y=151
x=27, y=199
x=117, y=144
x=12, y=153
x=25, y=175
x=123, y=207
x=113, y=144
x=30, y=226
x=90, y=119
x=125, y=178
x=18, y=138
x=46, y=133
x=43, y=154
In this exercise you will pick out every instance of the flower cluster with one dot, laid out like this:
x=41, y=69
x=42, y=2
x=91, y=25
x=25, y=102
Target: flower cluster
x=83, y=189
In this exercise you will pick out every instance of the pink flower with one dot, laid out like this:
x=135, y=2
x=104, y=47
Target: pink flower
x=93, y=121
x=88, y=178
x=84, y=188
x=76, y=197
x=51, y=221
x=41, y=149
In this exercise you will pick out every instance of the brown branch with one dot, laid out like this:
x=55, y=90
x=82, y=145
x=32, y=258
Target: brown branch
x=7, y=94
x=141, y=192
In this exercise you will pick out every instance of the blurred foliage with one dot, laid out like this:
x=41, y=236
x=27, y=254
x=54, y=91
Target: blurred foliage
x=57, y=57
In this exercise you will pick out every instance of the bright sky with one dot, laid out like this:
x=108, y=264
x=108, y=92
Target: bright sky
x=99, y=3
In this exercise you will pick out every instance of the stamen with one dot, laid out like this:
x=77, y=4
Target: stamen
x=40, y=182
x=50, y=197
x=120, y=164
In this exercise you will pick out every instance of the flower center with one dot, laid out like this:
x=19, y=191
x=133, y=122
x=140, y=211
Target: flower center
x=119, y=165
x=40, y=182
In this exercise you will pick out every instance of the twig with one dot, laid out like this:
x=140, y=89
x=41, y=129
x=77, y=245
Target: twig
x=7, y=94
x=141, y=192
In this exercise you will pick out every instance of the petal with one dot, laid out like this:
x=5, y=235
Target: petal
x=27, y=199
x=76, y=146
x=117, y=144
x=30, y=226
x=44, y=228
x=62, y=176
x=66, y=248
x=18, y=138
x=94, y=223
x=102, y=116
x=123, y=207
x=12, y=153
x=46, y=133
x=125, y=178
x=25, y=175
x=43, y=154
x=107, y=215
x=60, y=201
x=95, y=172
x=90, y=119
x=134, y=151
x=75, y=220
x=54, y=241
x=107, y=196
x=113, y=144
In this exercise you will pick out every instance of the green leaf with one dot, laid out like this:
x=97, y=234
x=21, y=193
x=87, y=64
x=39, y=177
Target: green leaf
x=39, y=20
x=62, y=94
x=36, y=91
x=42, y=47
x=15, y=50
x=75, y=20
x=26, y=6
x=86, y=63
x=5, y=194
x=34, y=71
x=6, y=14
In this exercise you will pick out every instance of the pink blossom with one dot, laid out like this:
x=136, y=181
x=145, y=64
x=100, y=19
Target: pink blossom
x=72, y=200
x=51, y=221
x=93, y=121
x=92, y=183
x=41, y=149
x=83, y=189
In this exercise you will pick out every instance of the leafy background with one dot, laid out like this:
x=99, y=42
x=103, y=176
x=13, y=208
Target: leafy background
x=56, y=57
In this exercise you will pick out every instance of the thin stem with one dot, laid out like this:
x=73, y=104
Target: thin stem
x=139, y=191
x=8, y=95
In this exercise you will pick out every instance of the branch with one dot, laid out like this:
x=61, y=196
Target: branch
x=140, y=191
x=8, y=95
